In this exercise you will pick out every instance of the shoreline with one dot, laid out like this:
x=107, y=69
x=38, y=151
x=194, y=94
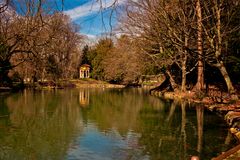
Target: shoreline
x=61, y=84
x=228, y=109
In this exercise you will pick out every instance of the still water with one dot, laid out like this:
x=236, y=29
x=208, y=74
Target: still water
x=106, y=124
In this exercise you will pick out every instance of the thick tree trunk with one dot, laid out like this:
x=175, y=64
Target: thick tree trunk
x=226, y=77
x=200, y=78
x=4, y=79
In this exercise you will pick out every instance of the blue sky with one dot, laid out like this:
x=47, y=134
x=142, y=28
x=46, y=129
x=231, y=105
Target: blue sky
x=93, y=20
x=86, y=13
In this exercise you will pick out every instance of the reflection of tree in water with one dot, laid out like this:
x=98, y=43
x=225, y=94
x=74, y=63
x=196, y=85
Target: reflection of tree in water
x=176, y=133
x=167, y=130
x=42, y=125
x=4, y=117
x=200, y=113
x=155, y=133
x=115, y=113
x=116, y=109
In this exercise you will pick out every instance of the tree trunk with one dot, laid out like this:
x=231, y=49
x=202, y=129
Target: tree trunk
x=184, y=79
x=218, y=52
x=200, y=78
x=5, y=66
x=226, y=77
x=184, y=67
x=172, y=81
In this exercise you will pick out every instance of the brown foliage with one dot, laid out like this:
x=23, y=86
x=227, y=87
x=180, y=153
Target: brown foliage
x=34, y=37
x=124, y=63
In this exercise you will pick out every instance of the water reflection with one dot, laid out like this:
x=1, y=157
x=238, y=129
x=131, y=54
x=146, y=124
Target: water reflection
x=200, y=113
x=41, y=125
x=180, y=133
x=106, y=124
x=84, y=97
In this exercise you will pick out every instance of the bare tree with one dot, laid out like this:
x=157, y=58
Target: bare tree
x=156, y=25
x=183, y=33
x=4, y=5
x=218, y=25
x=35, y=35
x=56, y=49
x=200, y=77
x=124, y=64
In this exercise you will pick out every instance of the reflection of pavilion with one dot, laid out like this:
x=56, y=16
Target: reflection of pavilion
x=84, y=97
x=84, y=71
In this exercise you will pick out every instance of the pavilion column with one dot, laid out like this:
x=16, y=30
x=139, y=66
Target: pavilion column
x=87, y=76
x=81, y=74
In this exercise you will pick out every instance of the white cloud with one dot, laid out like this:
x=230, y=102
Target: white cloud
x=90, y=8
x=90, y=39
x=91, y=36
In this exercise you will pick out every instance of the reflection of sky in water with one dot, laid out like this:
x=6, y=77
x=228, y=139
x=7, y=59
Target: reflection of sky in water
x=96, y=145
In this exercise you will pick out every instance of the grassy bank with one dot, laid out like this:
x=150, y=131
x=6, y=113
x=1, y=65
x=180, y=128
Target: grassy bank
x=74, y=83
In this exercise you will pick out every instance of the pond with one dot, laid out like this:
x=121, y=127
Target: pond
x=106, y=124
